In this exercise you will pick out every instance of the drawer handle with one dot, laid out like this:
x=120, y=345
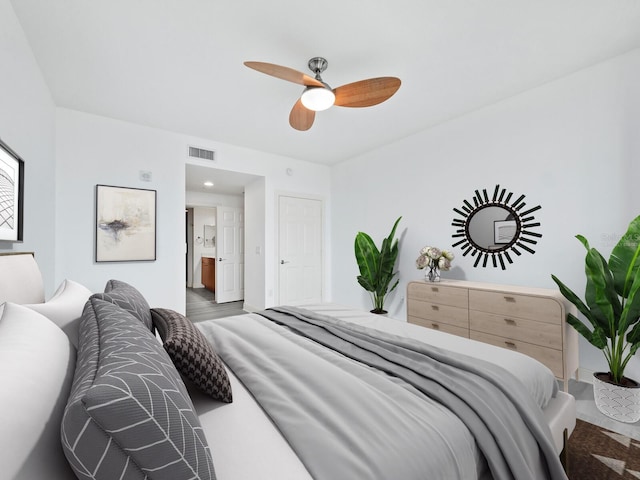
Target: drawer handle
x=435, y=326
x=435, y=307
x=510, y=344
x=509, y=299
x=509, y=321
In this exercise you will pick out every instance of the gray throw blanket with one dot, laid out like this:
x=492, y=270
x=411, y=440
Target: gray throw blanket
x=507, y=426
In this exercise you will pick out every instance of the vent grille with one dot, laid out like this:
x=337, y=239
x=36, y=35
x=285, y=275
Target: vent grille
x=196, y=152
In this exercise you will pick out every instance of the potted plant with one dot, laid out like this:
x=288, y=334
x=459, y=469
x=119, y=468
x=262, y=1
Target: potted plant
x=612, y=308
x=376, y=266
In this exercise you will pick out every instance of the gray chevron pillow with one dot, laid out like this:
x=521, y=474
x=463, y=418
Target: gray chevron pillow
x=129, y=415
x=128, y=298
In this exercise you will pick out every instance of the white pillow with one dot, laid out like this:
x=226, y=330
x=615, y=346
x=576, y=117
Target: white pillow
x=65, y=307
x=37, y=363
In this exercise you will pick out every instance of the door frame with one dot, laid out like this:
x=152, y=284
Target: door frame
x=276, y=254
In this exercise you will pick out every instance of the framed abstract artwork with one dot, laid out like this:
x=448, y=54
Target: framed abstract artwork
x=125, y=224
x=11, y=194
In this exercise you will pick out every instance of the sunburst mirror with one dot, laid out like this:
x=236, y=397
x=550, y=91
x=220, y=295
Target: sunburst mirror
x=491, y=228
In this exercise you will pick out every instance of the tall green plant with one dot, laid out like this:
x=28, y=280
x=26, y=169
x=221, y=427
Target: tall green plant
x=376, y=266
x=612, y=300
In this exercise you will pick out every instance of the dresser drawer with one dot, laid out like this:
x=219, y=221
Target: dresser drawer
x=548, y=356
x=441, y=326
x=530, y=331
x=523, y=306
x=444, y=295
x=456, y=316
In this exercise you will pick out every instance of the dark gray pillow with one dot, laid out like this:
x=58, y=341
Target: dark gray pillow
x=128, y=298
x=192, y=353
x=129, y=415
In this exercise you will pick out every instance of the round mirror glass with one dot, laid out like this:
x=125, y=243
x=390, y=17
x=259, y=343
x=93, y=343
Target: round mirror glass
x=492, y=228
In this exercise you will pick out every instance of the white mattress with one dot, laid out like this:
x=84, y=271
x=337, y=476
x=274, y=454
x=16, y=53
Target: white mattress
x=246, y=445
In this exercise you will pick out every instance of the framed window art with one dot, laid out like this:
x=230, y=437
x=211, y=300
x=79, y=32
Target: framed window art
x=504, y=231
x=125, y=224
x=11, y=194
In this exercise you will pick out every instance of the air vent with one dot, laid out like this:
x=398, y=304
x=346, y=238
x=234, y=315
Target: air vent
x=196, y=152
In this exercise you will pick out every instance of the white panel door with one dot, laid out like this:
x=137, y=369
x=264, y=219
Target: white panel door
x=230, y=249
x=300, y=250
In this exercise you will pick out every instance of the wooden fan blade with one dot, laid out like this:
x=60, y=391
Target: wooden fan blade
x=301, y=118
x=285, y=73
x=366, y=93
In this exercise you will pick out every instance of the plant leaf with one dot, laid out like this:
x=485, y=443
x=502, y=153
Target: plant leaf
x=366, y=284
x=624, y=260
x=633, y=337
x=595, y=339
x=600, y=294
x=367, y=255
x=572, y=297
x=580, y=305
x=631, y=312
x=584, y=241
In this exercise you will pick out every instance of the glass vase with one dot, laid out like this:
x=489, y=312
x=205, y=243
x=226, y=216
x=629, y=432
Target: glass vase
x=432, y=273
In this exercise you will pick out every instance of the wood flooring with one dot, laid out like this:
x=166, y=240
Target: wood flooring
x=201, y=306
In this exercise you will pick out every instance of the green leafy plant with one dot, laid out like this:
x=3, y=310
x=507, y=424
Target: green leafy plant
x=376, y=266
x=612, y=301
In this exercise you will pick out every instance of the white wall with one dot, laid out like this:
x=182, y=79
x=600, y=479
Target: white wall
x=97, y=150
x=27, y=125
x=202, y=199
x=254, y=252
x=570, y=146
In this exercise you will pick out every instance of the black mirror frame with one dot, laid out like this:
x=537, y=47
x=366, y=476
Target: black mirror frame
x=522, y=239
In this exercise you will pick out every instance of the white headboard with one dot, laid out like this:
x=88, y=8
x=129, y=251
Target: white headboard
x=20, y=279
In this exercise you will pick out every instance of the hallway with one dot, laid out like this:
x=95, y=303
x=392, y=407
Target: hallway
x=201, y=306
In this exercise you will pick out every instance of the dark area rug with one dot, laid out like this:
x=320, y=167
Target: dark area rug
x=599, y=454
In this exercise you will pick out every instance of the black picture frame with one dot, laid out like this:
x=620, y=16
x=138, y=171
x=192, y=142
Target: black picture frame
x=504, y=231
x=11, y=195
x=125, y=228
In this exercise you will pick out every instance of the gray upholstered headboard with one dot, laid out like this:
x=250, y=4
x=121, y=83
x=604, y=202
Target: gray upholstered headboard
x=20, y=278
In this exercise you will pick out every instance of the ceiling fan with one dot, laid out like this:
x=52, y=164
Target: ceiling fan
x=318, y=96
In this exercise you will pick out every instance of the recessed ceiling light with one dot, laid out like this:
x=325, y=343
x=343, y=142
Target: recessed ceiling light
x=208, y=184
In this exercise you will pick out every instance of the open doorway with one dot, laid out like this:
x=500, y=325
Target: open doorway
x=210, y=194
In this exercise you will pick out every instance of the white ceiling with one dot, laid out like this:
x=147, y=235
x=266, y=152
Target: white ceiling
x=224, y=181
x=178, y=64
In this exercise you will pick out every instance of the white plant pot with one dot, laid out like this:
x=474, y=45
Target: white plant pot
x=617, y=402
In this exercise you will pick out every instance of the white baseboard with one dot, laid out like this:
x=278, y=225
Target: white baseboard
x=585, y=375
x=250, y=308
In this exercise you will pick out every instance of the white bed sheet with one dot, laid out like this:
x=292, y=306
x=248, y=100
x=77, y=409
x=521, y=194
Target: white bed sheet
x=246, y=445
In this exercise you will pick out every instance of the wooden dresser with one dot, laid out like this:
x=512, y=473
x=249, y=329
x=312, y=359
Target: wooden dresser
x=528, y=320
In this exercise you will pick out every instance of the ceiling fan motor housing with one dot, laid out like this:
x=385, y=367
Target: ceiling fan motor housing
x=318, y=65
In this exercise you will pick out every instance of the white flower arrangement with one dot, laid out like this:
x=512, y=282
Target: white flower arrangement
x=433, y=257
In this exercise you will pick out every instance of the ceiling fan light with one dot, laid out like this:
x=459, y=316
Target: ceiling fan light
x=318, y=98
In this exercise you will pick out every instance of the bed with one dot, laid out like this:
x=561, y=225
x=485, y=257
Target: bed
x=254, y=431
x=258, y=435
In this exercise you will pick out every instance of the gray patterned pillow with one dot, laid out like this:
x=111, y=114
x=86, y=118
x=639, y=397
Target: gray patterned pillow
x=128, y=298
x=129, y=415
x=192, y=354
